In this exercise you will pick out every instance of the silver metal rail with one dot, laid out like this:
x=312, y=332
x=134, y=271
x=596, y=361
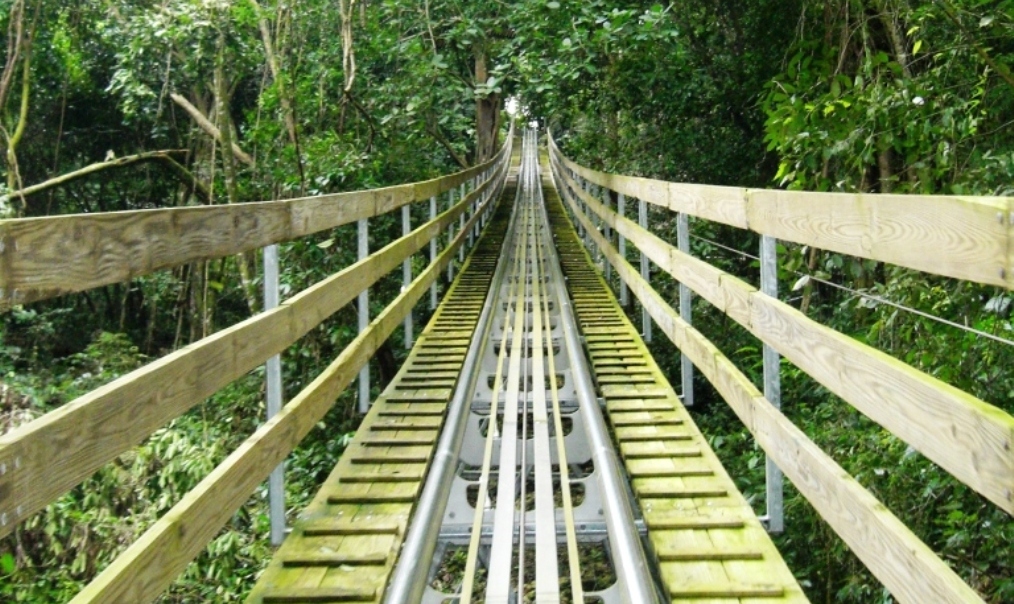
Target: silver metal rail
x=409, y=579
x=524, y=417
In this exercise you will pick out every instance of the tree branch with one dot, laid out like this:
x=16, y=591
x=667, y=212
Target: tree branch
x=165, y=157
x=210, y=128
x=434, y=131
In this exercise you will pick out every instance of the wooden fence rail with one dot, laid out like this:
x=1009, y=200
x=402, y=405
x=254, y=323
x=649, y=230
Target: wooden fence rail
x=45, y=257
x=966, y=436
x=49, y=456
x=969, y=238
x=151, y=564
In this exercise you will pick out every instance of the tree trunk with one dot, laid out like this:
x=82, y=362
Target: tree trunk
x=287, y=102
x=487, y=113
x=228, y=159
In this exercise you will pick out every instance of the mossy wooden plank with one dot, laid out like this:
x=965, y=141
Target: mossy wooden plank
x=678, y=481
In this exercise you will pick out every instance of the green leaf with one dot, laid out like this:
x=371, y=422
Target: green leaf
x=916, y=47
x=7, y=563
x=553, y=5
x=325, y=244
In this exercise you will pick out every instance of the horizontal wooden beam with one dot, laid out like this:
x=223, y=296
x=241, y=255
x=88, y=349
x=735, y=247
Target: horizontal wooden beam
x=885, y=545
x=964, y=237
x=966, y=436
x=153, y=562
x=51, y=455
x=45, y=257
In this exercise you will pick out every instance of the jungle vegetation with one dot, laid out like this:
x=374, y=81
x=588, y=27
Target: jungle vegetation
x=127, y=104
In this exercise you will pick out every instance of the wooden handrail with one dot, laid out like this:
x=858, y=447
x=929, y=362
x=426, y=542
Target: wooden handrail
x=964, y=237
x=45, y=257
x=150, y=564
x=49, y=456
x=888, y=548
x=966, y=436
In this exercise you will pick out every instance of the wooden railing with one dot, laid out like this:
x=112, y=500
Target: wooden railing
x=967, y=238
x=42, y=257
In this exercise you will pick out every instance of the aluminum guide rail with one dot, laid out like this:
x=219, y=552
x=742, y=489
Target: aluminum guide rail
x=534, y=434
x=487, y=472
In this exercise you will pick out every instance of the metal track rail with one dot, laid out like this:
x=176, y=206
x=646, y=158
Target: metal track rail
x=537, y=487
x=345, y=544
x=707, y=543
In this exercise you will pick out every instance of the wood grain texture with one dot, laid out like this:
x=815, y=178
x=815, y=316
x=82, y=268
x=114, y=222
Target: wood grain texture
x=964, y=435
x=960, y=237
x=969, y=238
x=145, y=569
x=59, y=450
x=887, y=547
x=45, y=257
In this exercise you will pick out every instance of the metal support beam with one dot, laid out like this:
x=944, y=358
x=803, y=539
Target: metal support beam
x=450, y=236
x=433, y=253
x=406, y=273
x=772, y=386
x=607, y=267
x=364, y=315
x=686, y=366
x=642, y=220
x=461, y=221
x=621, y=207
x=273, y=374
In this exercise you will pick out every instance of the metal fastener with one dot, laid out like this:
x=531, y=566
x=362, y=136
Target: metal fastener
x=3, y=519
x=999, y=217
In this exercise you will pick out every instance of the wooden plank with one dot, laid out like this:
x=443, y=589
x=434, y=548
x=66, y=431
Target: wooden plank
x=150, y=564
x=963, y=237
x=57, y=451
x=45, y=257
x=887, y=547
x=318, y=595
x=966, y=436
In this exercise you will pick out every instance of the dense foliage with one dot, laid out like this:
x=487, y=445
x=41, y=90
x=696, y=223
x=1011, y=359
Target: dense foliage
x=312, y=97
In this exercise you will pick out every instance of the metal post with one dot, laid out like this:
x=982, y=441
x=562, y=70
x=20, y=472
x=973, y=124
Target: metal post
x=433, y=253
x=364, y=316
x=642, y=220
x=686, y=367
x=607, y=201
x=273, y=373
x=621, y=207
x=772, y=385
x=406, y=272
x=461, y=221
x=471, y=211
x=450, y=236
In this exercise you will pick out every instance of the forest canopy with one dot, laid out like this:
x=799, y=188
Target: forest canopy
x=110, y=105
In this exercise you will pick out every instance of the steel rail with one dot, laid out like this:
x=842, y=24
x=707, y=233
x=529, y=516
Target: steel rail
x=409, y=578
x=629, y=559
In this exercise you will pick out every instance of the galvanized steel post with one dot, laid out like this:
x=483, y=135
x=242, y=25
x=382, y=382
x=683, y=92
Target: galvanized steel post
x=686, y=366
x=450, y=235
x=642, y=220
x=433, y=253
x=273, y=375
x=772, y=386
x=364, y=316
x=406, y=272
x=621, y=207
